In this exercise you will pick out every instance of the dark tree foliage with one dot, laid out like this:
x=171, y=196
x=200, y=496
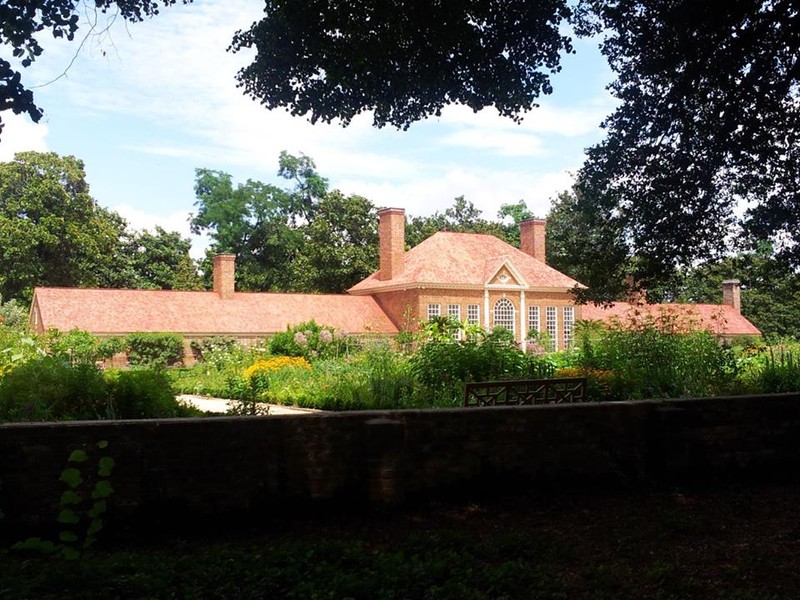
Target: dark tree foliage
x=24, y=20
x=53, y=233
x=462, y=217
x=51, y=230
x=517, y=213
x=340, y=244
x=303, y=238
x=586, y=244
x=403, y=59
x=770, y=290
x=709, y=118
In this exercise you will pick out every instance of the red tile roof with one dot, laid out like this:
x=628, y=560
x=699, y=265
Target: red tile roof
x=113, y=311
x=717, y=318
x=448, y=259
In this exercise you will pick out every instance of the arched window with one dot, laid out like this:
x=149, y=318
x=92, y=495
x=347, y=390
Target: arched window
x=504, y=314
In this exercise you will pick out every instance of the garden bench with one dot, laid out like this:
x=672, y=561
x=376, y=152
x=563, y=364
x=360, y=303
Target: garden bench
x=525, y=392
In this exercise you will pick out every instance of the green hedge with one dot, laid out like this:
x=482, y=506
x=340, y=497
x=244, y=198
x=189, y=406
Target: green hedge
x=154, y=349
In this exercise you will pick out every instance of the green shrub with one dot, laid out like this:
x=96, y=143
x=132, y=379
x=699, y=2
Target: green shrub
x=143, y=394
x=108, y=347
x=199, y=379
x=650, y=363
x=219, y=352
x=75, y=346
x=779, y=373
x=313, y=342
x=379, y=378
x=49, y=389
x=13, y=314
x=16, y=348
x=445, y=363
x=154, y=349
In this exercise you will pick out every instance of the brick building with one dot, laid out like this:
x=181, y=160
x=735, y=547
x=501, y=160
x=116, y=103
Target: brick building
x=476, y=278
x=473, y=277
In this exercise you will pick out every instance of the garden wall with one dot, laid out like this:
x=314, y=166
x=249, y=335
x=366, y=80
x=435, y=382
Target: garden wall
x=225, y=467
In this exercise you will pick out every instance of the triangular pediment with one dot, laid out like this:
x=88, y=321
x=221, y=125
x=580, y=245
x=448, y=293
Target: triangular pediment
x=502, y=273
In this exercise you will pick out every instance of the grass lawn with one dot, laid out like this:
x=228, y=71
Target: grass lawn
x=733, y=542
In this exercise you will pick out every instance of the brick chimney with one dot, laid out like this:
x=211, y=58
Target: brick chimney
x=532, y=238
x=392, y=232
x=731, y=294
x=224, y=274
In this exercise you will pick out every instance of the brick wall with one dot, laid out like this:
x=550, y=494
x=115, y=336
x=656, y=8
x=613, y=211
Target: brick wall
x=237, y=466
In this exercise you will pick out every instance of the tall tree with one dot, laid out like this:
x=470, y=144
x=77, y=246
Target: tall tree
x=51, y=230
x=159, y=260
x=257, y=222
x=770, y=291
x=461, y=217
x=23, y=22
x=402, y=60
x=303, y=238
x=518, y=213
x=709, y=119
x=340, y=245
x=586, y=245
x=53, y=233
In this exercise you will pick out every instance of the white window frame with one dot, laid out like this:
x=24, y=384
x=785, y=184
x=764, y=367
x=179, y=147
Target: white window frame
x=473, y=314
x=434, y=310
x=534, y=319
x=568, y=325
x=551, y=321
x=454, y=310
x=505, y=310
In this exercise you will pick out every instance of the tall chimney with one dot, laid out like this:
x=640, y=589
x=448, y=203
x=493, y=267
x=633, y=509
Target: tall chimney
x=532, y=238
x=731, y=294
x=224, y=274
x=392, y=233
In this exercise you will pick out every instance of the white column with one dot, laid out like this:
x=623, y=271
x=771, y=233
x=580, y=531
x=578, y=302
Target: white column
x=486, y=321
x=523, y=331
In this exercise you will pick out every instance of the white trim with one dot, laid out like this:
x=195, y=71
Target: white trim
x=402, y=287
x=554, y=335
x=512, y=320
x=506, y=262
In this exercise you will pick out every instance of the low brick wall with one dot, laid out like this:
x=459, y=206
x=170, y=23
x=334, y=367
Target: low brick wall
x=224, y=467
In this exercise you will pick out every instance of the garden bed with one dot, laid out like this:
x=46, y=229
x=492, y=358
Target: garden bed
x=729, y=542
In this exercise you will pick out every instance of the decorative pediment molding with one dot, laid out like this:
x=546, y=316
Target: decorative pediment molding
x=502, y=274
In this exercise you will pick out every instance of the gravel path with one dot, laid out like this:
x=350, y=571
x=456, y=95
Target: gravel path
x=220, y=405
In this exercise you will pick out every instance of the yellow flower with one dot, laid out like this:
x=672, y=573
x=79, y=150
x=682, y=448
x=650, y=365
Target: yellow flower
x=273, y=365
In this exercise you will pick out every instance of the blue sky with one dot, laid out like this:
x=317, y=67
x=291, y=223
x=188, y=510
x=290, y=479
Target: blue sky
x=145, y=104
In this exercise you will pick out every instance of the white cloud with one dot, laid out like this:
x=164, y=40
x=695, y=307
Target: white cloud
x=505, y=143
x=20, y=134
x=139, y=220
x=487, y=189
x=165, y=91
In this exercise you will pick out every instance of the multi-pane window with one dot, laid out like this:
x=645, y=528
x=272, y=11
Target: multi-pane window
x=551, y=321
x=454, y=311
x=533, y=319
x=434, y=310
x=504, y=314
x=568, y=325
x=473, y=314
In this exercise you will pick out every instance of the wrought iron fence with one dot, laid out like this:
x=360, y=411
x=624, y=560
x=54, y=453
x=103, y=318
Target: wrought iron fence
x=526, y=392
